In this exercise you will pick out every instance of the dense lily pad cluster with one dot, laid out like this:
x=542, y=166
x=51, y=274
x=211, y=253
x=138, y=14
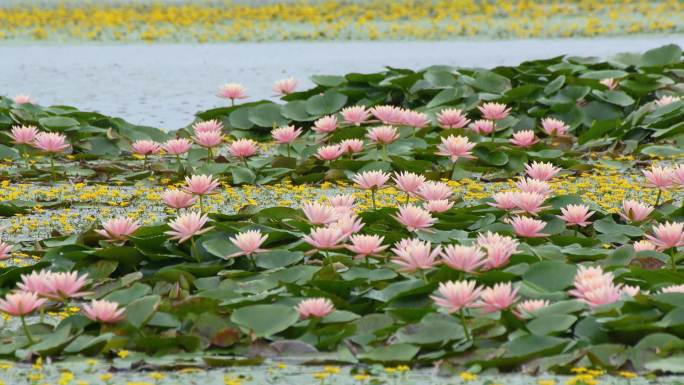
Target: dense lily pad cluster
x=393, y=265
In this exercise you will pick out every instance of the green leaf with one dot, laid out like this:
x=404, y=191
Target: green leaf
x=278, y=258
x=662, y=56
x=328, y=103
x=551, y=324
x=550, y=275
x=141, y=310
x=53, y=340
x=433, y=329
x=391, y=353
x=328, y=80
x=265, y=320
x=604, y=74
x=489, y=81
x=530, y=345
x=267, y=115
x=57, y=123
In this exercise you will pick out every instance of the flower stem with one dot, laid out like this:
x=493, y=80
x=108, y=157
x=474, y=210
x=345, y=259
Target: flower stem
x=373, y=198
x=461, y=316
x=673, y=262
x=201, y=203
x=26, y=330
x=52, y=167
x=658, y=197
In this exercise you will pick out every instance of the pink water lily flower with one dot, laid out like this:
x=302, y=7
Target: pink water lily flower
x=208, y=139
x=438, y=206
x=659, y=177
x=490, y=239
x=249, y=242
x=482, y=126
x=416, y=119
x=454, y=296
x=51, y=142
x=315, y=308
x=103, y=311
x=527, y=227
x=594, y=287
x=5, y=250
x=667, y=235
x=355, y=115
x=177, y=199
x=554, y=127
x=371, y=179
x=20, y=303
x=667, y=99
x=145, y=147
x=325, y=238
x=177, y=146
x=499, y=254
x=200, y=184
x=320, y=214
x=494, y=111
x=576, y=215
x=66, y=285
x=342, y=203
x=23, y=99
x=541, y=170
x=524, y=139
x=456, y=147
x=36, y=282
x=348, y=224
x=352, y=146
x=530, y=185
x=408, y=182
x=187, y=225
x=505, y=200
x=414, y=218
x=285, y=86
x=529, y=202
x=212, y=125
x=463, y=258
x=382, y=134
x=644, y=245
x=673, y=289
x=232, y=91
x=23, y=134
x=286, y=134
x=678, y=175
x=432, y=191
x=635, y=211
x=414, y=254
x=366, y=245
x=243, y=148
x=452, y=118
x=497, y=298
x=527, y=308
x=610, y=83
x=328, y=153
x=325, y=125
x=118, y=229
x=388, y=114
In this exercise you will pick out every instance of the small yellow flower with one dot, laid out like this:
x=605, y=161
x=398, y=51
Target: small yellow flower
x=391, y=370
x=546, y=382
x=157, y=376
x=281, y=365
x=122, y=353
x=403, y=368
x=361, y=377
x=626, y=374
x=332, y=369
x=106, y=377
x=467, y=376
x=579, y=370
x=321, y=375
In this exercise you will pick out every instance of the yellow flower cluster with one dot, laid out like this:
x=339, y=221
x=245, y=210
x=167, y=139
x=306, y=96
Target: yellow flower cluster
x=338, y=19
